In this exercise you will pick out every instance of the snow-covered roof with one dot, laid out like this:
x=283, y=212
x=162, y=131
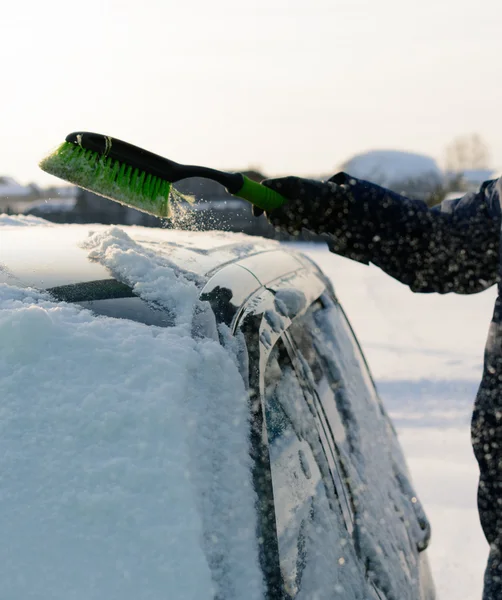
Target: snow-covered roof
x=387, y=167
x=477, y=174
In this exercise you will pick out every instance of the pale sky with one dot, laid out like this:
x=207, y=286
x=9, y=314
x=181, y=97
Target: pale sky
x=291, y=87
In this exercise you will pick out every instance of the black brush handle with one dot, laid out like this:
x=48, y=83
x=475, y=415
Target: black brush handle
x=149, y=162
x=236, y=183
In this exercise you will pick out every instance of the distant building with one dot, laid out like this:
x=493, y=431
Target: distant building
x=19, y=199
x=10, y=188
x=13, y=196
x=412, y=174
x=470, y=180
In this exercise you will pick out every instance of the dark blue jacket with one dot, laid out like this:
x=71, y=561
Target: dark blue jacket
x=454, y=247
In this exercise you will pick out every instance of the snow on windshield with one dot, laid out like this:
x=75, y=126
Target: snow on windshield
x=152, y=277
x=123, y=449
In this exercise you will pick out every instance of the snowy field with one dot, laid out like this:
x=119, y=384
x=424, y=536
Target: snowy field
x=425, y=352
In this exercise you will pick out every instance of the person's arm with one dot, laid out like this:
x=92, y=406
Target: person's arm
x=451, y=248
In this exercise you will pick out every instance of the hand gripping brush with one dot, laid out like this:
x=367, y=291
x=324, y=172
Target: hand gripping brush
x=138, y=178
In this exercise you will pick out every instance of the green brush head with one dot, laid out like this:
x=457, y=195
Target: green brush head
x=110, y=178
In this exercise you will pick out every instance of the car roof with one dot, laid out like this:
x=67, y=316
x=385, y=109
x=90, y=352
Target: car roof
x=45, y=256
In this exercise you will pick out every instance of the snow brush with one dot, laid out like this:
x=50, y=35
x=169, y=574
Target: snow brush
x=138, y=178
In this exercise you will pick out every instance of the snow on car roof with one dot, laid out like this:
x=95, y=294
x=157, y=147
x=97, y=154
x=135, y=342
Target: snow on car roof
x=124, y=448
x=197, y=252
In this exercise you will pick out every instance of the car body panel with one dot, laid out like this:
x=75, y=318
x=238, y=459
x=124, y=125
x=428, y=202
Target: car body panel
x=242, y=279
x=45, y=257
x=53, y=255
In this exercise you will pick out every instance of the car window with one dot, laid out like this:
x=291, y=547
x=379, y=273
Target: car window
x=317, y=557
x=332, y=415
x=387, y=527
x=322, y=365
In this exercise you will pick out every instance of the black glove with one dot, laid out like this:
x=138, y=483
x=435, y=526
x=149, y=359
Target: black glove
x=327, y=208
x=313, y=205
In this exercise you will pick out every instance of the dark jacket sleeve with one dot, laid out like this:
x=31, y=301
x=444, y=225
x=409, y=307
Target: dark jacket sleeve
x=453, y=247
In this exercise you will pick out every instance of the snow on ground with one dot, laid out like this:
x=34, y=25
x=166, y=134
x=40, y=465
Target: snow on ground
x=425, y=352
x=21, y=220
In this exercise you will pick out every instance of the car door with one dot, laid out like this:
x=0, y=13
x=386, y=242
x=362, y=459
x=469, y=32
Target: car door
x=316, y=553
x=345, y=520
x=389, y=526
x=306, y=548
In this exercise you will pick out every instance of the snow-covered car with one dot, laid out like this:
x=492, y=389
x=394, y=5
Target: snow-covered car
x=189, y=415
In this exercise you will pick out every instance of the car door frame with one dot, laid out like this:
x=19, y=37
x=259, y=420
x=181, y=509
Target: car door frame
x=261, y=334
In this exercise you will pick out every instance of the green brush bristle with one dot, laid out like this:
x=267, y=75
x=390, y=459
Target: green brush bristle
x=110, y=178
